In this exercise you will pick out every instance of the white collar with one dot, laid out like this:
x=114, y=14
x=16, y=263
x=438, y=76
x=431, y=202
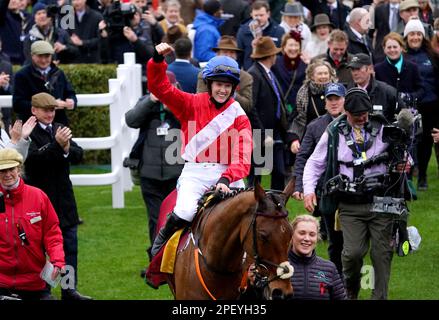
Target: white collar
x=182, y=60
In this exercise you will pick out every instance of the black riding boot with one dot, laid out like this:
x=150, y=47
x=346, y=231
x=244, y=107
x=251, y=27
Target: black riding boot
x=173, y=224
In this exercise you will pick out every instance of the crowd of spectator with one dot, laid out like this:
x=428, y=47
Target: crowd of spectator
x=289, y=52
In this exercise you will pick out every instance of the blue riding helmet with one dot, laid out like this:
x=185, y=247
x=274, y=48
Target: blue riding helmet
x=222, y=68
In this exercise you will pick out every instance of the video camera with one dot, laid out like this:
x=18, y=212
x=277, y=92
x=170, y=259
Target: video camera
x=404, y=130
x=118, y=16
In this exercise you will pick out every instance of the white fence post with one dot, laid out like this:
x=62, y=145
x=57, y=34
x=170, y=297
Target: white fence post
x=122, y=96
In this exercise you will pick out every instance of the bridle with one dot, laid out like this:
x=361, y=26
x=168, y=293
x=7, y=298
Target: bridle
x=284, y=270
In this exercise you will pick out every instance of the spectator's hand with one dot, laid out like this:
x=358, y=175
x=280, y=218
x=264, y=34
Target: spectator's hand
x=298, y=195
x=268, y=142
x=153, y=98
x=102, y=29
x=435, y=135
x=58, y=47
x=70, y=104
x=148, y=16
x=305, y=57
x=157, y=13
x=222, y=187
x=4, y=79
x=61, y=104
x=295, y=146
x=129, y=34
x=310, y=202
x=76, y=40
x=56, y=272
x=28, y=126
x=15, y=131
x=403, y=167
x=63, y=136
x=163, y=48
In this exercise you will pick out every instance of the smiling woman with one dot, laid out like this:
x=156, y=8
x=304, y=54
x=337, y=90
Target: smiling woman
x=314, y=278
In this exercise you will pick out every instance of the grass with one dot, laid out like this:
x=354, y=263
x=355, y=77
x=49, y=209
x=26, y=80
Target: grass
x=112, y=245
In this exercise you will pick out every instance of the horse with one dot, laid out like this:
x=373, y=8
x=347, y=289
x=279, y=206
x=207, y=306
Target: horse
x=251, y=227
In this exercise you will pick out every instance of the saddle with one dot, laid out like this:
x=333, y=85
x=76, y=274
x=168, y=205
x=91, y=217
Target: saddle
x=164, y=261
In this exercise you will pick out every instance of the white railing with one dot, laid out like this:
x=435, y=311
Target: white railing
x=124, y=91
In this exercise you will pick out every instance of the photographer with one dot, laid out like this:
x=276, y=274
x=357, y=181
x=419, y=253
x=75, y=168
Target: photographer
x=127, y=32
x=353, y=150
x=46, y=29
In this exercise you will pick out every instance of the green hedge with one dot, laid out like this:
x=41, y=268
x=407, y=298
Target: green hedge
x=90, y=121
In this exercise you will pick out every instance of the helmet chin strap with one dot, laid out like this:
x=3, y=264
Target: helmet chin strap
x=217, y=104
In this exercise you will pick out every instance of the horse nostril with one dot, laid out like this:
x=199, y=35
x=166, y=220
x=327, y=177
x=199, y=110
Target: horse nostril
x=277, y=294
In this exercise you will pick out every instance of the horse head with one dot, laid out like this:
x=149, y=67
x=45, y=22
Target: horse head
x=267, y=242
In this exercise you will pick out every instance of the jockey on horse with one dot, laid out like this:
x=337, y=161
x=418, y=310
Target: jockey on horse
x=216, y=135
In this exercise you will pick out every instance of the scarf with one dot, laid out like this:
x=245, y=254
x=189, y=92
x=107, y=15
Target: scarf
x=291, y=63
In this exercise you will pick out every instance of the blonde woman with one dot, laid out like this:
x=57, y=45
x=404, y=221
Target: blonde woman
x=314, y=278
x=310, y=99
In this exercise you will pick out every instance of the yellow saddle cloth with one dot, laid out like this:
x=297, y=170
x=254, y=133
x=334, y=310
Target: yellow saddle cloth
x=170, y=252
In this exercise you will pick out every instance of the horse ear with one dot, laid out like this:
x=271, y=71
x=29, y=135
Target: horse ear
x=289, y=189
x=259, y=192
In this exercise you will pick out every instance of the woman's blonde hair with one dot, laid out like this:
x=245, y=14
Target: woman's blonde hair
x=305, y=218
x=318, y=63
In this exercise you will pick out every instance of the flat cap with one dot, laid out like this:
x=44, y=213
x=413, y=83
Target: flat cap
x=10, y=158
x=359, y=60
x=43, y=100
x=357, y=101
x=41, y=47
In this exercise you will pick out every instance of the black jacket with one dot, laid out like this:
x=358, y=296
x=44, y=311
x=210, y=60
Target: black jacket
x=28, y=81
x=356, y=45
x=88, y=31
x=263, y=113
x=382, y=94
x=408, y=81
x=6, y=67
x=147, y=115
x=314, y=130
x=13, y=26
x=315, y=278
x=47, y=168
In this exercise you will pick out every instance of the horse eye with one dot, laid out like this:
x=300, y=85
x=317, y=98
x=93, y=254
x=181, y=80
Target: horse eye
x=263, y=236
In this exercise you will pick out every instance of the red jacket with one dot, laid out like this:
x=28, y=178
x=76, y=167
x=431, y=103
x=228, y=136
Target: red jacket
x=29, y=209
x=208, y=134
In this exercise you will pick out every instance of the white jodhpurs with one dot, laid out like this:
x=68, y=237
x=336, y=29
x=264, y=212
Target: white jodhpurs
x=194, y=181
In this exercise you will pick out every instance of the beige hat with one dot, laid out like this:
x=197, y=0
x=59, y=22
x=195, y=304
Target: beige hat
x=43, y=100
x=10, y=158
x=265, y=47
x=41, y=47
x=407, y=4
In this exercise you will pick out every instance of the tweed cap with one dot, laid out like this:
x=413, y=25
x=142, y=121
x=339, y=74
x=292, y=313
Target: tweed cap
x=43, y=100
x=10, y=158
x=41, y=47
